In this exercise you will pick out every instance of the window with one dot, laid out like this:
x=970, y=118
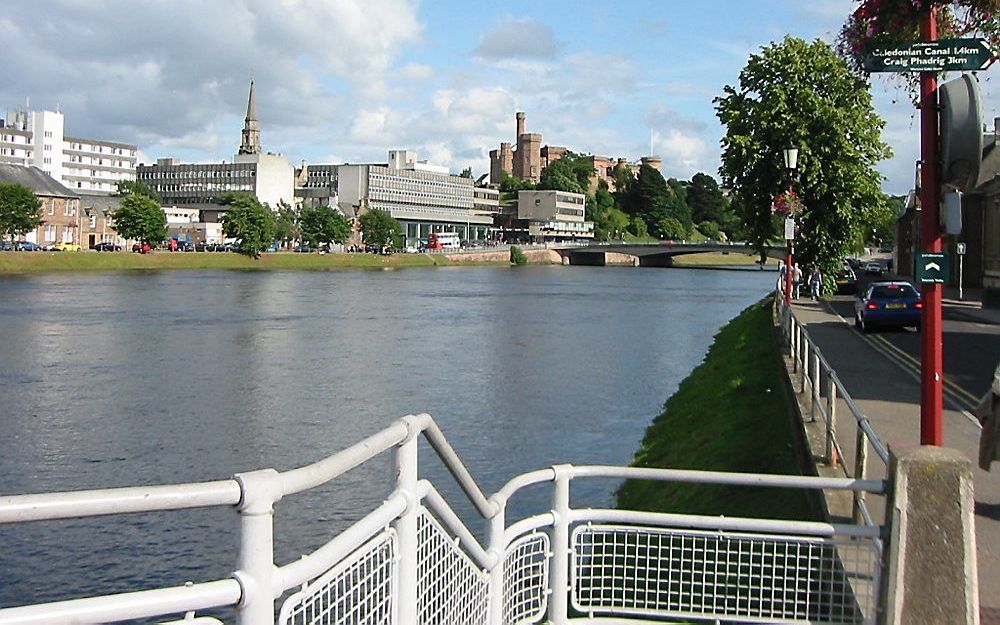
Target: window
x=48, y=133
x=50, y=233
x=93, y=221
x=47, y=147
x=47, y=161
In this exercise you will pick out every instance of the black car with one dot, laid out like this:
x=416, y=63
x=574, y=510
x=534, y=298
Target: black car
x=185, y=246
x=106, y=246
x=847, y=281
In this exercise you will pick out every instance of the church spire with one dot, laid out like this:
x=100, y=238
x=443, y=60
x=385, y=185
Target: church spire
x=251, y=127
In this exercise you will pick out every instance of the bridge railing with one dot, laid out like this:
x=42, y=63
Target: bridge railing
x=414, y=560
x=819, y=381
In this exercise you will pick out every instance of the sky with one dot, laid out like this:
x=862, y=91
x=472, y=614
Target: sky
x=347, y=80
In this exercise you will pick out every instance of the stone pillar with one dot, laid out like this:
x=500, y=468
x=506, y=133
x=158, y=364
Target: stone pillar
x=520, y=118
x=930, y=576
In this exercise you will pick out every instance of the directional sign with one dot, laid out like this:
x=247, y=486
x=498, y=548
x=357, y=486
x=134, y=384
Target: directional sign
x=960, y=249
x=945, y=55
x=932, y=268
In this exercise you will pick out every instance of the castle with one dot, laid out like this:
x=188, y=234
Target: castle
x=530, y=157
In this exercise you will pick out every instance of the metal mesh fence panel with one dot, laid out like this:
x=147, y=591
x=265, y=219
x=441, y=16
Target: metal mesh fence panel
x=751, y=577
x=451, y=589
x=359, y=590
x=525, y=579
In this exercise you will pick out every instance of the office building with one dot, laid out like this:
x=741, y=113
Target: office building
x=554, y=215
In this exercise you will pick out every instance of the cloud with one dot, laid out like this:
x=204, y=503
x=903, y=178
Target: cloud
x=518, y=38
x=415, y=71
x=684, y=154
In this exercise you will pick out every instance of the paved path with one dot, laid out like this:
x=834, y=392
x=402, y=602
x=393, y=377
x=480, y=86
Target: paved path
x=889, y=394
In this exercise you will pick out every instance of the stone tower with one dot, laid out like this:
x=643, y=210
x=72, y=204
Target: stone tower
x=251, y=128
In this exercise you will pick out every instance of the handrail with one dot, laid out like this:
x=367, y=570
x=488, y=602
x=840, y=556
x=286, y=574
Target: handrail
x=735, y=479
x=456, y=467
x=105, y=501
x=437, y=504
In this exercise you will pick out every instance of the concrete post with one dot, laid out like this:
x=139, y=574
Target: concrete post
x=795, y=346
x=804, y=366
x=815, y=382
x=930, y=573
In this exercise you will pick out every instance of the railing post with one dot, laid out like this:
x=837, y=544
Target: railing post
x=804, y=370
x=406, y=470
x=559, y=572
x=497, y=548
x=860, y=472
x=795, y=346
x=831, y=419
x=255, y=566
x=815, y=380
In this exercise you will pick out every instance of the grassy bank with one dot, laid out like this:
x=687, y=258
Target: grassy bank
x=717, y=259
x=36, y=262
x=730, y=414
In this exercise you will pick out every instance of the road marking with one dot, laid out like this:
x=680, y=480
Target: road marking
x=954, y=386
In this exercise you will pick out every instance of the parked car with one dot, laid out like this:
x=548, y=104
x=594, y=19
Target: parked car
x=185, y=246
x=66, y=247
x=26, y=246
x=304, y=248
x=888, y=304
x=874, y=268
x=107, y=246
x=142, y=248
x=6, y=246
x=847, y=281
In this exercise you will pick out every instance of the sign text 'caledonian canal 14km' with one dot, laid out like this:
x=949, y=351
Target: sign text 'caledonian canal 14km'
x=946, y=55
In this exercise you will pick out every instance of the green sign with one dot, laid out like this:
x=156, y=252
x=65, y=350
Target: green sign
x=946, y=55
x=932, y=267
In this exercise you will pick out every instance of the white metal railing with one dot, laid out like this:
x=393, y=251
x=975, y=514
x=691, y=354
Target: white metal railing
x=414, y=560
x=813, y=369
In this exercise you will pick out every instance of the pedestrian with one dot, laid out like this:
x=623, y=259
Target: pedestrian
x=780, y=286
x=815, y=282
x=988, y=413
x=796, y=280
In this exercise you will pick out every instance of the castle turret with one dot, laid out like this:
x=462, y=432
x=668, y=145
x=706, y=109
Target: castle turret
x=520, y=117
x=251, y=128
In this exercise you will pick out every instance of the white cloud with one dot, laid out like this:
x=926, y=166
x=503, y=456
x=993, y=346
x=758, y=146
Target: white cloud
x=518, y=38
x=684, y=154
x=415, y=71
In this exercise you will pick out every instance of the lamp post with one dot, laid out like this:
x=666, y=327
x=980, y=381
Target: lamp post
x=791, y=162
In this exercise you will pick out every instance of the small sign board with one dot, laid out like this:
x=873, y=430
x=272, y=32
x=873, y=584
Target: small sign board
x=960, y=249
x=932, y=267
x=789, y=228
x=945, y=55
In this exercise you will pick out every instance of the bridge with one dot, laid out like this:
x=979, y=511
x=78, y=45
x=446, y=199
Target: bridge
x=652, y=254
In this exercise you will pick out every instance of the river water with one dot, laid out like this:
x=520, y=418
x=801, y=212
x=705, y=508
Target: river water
x=149, y=378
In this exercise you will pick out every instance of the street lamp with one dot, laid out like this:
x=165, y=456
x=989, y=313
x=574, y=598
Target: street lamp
x=791, y=163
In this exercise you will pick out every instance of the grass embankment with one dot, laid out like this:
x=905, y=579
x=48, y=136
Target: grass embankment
x=36, y=262
x=730, y=414
x=717, y=259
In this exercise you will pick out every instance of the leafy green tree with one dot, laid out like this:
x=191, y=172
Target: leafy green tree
x=624, y=196
x=249, y=222
x=286, y=224
x=139, y=217
x=637, y=227
x=598, y=211
x=802, y=93
x=513, y=184
x=677, y=206
x=517, y=257
x=671, y=228
x=20, y=210
x=129, y=187
x=466, y=173
x=379, y=228
x=616, y=223
x=571, y=173
x=706, y=200
x=650, y=195
x=710, y=229
x=321, y=225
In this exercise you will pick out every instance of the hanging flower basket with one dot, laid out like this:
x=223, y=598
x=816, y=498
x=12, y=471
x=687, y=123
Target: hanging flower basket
x=788, y=203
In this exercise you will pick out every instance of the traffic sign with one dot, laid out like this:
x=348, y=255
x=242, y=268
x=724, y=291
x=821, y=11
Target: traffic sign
x=960, y=249
x=932, y=267
x=944, y=55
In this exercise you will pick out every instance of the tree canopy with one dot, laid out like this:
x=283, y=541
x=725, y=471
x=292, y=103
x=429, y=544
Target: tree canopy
x=802, y=93
x=323, y=225
x=571, y=173
x=378, y=227
x=513, y=184
x=20, y=210
x=705, y=199
x=140, y=218
x=249, y=222
x=286, y=223
x=129, y=187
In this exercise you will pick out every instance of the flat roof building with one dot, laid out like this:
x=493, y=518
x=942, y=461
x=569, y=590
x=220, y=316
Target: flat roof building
x=554, y=215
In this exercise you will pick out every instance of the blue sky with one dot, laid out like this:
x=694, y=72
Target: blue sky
x=346, y=80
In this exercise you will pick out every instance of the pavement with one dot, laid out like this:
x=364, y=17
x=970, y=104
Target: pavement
x=883, y=379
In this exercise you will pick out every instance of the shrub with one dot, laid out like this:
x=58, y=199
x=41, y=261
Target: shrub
x=517, y=257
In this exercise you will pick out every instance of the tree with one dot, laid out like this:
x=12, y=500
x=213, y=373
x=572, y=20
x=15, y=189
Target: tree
x=513, y=184
x=638, y=228
x=571, y=173
x=616, y=223
x=20, y=210
x=677, y=206
x=379, y=228
x=286, y=223
x=649, y=196
x=705, y=199
x=322, y=225
x=139, y=217
x=249, y=222
x=671, y=228
x=466, y=173
x=802, y=93
x=134, y=187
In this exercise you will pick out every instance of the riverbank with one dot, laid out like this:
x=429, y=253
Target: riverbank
x=41, y=262
x=730, y=414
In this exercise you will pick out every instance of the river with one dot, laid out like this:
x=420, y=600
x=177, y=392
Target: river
x=146, y=378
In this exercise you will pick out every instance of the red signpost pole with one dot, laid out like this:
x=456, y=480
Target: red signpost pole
x=788, y=271
x=931, y=430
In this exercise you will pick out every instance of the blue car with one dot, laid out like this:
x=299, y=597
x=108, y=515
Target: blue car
x=888, y=304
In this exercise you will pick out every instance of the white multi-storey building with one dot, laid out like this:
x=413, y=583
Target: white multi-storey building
x=554, y=215
x=37, y=139
x=423, y=198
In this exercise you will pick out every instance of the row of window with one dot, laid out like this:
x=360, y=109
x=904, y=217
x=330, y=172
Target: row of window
x=49, y=206
x=100, y=149
x=144, y=174
x=73, y=158
x=209, y=186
